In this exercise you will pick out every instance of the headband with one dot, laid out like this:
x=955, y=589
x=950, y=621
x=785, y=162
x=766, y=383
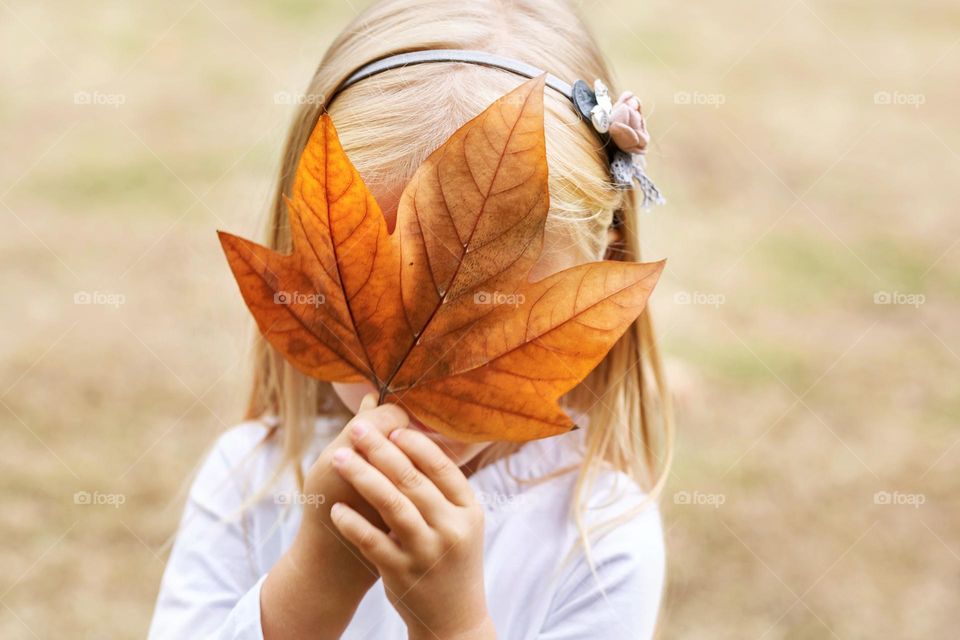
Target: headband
x=620, y=126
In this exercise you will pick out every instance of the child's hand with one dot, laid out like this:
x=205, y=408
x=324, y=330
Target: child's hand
x=328, y=488
x=431, y=561
x=314, y=589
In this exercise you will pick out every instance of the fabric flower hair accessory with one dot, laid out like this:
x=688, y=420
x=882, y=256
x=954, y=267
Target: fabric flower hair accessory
x=628, y=130
x=623, y=128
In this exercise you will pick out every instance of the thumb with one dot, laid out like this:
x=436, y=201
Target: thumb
x=369, y=402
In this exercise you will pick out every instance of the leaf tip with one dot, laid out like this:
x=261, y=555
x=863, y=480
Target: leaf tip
x=227, y=239
x=656, y=270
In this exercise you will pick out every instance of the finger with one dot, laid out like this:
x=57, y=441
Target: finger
x=374, y=544
x=369, y=402
x=395, y=465
x=396, y=509
x=384, y=418
x=435, y=464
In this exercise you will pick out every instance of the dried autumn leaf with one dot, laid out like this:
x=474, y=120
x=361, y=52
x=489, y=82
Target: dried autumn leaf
x=440, y=315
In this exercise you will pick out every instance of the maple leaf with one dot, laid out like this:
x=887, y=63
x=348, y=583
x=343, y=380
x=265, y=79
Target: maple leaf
x=440, y=314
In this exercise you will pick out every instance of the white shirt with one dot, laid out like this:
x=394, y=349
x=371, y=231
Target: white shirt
x=222, y=553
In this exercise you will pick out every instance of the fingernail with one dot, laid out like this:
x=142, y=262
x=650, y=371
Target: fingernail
x=336, y=508
x=395, y=434
x=359, y=429
x=340, y=455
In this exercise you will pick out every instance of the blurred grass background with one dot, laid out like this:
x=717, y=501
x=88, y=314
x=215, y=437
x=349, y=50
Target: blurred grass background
x=811, y=156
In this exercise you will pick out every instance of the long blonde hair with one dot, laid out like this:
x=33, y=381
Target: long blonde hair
x=389, y=123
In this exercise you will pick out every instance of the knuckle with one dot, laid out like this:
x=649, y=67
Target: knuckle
x=440, y=466
x=410, y=478
x=392, y=503
x=429, y=550
x=463, y=529
x=459, y=534
x=372, y=442
x=365, y=540
x=474, y=515
x=450, y=533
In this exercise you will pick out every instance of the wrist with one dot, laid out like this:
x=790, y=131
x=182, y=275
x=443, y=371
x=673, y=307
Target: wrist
x=325, y=561
x=309, y=593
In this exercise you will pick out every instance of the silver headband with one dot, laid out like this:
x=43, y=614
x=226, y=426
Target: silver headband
x=592, y=105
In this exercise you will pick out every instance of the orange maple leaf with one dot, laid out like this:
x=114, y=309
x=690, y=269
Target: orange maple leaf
x=440, y=315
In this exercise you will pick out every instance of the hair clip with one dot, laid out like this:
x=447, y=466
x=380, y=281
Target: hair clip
x=622, y=127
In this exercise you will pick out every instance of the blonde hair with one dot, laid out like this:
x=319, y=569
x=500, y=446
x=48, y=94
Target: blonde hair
x=389, y=123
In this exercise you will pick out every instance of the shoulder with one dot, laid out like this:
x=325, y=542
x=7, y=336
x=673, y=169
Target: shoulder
x=629, y=531
x=616, y=495
x=615, y=582
x=622, y=522
x=248, y=462
x=237, y=461
x=550, y=476
x=237, y=447
x=237, y=442
x=538, y=503
x=545, y=487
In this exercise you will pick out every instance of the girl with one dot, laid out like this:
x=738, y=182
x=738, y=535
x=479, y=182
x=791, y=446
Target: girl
x=327, y=516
